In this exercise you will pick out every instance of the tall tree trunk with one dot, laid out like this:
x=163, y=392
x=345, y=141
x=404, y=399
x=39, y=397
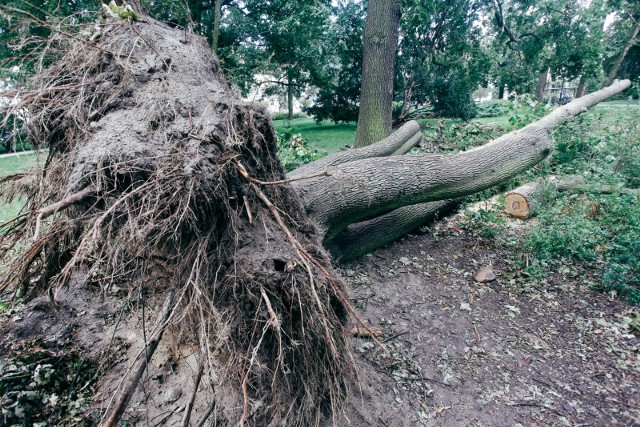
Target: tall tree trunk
x=216, y=26
x=582, y=88
x=501, y=91
x=616, y=67
x=376, y=93
x=289, y=97
x=542, y=84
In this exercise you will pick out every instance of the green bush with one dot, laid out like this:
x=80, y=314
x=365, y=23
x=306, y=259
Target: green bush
x=524, y=110
x=493, y=108
x=451, y=97
x=294, y=151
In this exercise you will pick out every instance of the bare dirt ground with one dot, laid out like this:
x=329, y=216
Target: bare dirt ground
x=506, y=353
x=512, y=352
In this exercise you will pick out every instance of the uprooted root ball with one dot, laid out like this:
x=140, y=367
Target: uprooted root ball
x=149, y=186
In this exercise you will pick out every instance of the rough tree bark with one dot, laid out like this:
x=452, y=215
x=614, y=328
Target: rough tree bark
x=216, y=26
x=361, y=184
x=379, y=53
x=581, y=89
x=289, y=96
x=154, y=164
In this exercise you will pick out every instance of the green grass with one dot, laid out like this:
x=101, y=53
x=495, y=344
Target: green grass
x=18, y=163
x=326, y=136
x=619, y=103
x=329, y=137
x=10, y=165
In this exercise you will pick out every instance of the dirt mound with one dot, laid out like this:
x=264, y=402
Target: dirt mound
x=156, y=188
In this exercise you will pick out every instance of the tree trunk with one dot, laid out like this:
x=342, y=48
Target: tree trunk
x=521, y=201
x=379, y=53
x=501, y=91
x=581, y=89
x=216, y=26
x=616, y=66
x=357, y=190
x=289, y=97
x=542, y=84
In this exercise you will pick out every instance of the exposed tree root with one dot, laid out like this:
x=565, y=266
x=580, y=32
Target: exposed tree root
x=114, y=415
x=145, y=136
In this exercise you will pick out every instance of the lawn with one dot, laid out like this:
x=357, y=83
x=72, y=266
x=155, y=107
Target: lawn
x=326, y=136
x=8, y=166
x=329, y=137
x=17, y=163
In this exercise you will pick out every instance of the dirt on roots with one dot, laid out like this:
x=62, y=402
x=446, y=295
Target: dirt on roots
x=157, y=172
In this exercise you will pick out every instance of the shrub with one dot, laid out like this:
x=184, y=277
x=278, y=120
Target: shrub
x=493, y=108
x=451, y=97
x=524, y=110
x=294, y=151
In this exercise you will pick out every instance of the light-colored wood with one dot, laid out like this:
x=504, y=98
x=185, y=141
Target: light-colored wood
x=521, y=201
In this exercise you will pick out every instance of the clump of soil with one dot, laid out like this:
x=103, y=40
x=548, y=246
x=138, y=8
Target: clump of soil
x=154, y=190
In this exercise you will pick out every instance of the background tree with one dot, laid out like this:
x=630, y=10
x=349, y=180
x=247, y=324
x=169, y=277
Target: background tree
x=623, y=39
x=290, y=40
x=379, y=53
x=338, y=95
x=441, y=60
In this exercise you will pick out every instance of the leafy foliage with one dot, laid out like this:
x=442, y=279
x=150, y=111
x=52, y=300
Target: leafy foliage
x=294, y=151
x=495, y=108
x=525, y=110
x=43, y=387
x=601, y=229
x=339, y=93
x=22, y=33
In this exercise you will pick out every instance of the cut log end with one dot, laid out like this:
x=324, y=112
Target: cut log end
x=520, y=202
x=516, y=205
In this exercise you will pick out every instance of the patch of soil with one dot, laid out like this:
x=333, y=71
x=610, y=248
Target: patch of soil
x=505, y=353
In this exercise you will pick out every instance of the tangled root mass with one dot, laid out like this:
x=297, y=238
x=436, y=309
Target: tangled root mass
x=142, y=124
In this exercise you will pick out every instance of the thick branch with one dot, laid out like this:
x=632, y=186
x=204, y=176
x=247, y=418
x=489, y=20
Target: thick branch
x=390, y=145
x=363, y=237
x=616, y=66
x=361, y=189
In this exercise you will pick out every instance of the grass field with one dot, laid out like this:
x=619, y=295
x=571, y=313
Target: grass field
x=329, y=137
x=8, y=166
x=18, y=163
x=326, y=136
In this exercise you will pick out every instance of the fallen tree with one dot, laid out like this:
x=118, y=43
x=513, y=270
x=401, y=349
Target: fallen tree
x=161, y=181
x=521, y=201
